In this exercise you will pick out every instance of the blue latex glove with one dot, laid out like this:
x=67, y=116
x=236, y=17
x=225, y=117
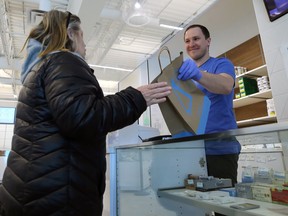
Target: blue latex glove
x=189, y=70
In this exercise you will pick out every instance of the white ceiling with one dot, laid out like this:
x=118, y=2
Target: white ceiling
x=110, y=41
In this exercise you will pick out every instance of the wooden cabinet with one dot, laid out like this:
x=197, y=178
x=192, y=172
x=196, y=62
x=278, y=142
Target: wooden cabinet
x=251, y=110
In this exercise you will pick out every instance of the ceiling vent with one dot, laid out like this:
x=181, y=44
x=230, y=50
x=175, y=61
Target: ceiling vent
x=35, y=16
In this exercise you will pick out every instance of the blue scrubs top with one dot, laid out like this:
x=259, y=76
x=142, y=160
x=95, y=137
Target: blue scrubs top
x=221, y=116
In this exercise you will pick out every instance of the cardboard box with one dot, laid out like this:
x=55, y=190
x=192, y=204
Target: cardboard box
x=230, y=191
x=247, y=86
x=212, y=184
x=244, y=190
x=262, y=192
x=280, y=195
x=190, y=182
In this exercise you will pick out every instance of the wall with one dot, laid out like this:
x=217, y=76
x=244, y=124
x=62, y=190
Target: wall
x=230, y=22
x=274, y=36
x=135, y=79
x=6, y=133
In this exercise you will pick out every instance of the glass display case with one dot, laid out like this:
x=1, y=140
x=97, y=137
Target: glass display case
x=150, y=176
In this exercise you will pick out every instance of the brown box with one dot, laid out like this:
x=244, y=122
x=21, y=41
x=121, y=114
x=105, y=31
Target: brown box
x=280, y=195
x=190, y=182
x=262, y=192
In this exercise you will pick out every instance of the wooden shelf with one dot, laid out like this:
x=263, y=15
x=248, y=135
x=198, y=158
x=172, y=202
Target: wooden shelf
x=250, y=110
x=257, y=121
x=256, y=72
x=253, y=98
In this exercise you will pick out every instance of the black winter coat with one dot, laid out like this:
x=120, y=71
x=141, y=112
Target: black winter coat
x=57, y=163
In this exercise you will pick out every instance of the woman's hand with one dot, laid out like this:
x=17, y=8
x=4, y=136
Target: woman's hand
x=155, y=93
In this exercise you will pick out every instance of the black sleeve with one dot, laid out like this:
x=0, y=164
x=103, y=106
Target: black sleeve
x=77, y=102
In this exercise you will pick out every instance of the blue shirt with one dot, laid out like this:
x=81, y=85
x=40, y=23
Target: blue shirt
x=221, y=116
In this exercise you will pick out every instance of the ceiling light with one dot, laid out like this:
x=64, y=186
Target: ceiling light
x=134, y=14
x=112, y=68
x=171, y=27
x=137, y=5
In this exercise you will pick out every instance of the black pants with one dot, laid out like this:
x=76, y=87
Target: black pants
x=223, y=166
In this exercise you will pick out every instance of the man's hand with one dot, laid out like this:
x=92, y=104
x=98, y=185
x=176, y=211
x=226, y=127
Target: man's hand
x=189, y=70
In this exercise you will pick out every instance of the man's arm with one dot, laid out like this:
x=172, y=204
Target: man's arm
x=217, y=83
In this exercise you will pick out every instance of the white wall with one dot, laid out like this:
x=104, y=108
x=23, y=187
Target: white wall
x=274, y=36
x=230, y=22
x=6, y=133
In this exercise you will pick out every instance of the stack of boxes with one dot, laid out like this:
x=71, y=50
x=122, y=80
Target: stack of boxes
x=263, y=83
x=250, y=86
x=268, y=185
x=247, y=86
x=270, y=107
x=240, y=70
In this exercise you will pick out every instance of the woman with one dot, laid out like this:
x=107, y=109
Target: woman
x=57, y=163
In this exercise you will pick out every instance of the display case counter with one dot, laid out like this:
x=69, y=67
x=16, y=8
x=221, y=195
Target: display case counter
x=143, y=170
x=265, y=208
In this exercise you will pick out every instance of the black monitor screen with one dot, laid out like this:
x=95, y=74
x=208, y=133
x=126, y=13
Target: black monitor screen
x=7, y=115
x=276, y=8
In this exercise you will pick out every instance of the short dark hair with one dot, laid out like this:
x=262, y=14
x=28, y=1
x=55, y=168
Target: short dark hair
x=203, y=29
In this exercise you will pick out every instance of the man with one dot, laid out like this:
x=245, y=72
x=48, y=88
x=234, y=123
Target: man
x=215, y=77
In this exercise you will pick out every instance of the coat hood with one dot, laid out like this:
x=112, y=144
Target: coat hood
x=34, y=47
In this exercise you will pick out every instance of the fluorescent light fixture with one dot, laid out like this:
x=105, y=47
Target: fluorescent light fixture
x=112, y=68
x=137, y=5
x=171, y=27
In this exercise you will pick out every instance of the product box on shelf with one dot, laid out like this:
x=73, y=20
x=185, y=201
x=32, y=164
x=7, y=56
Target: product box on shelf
x=230, y=191
x=263, y=175
x=280, y=195
x=211, y=183
x=280, y=178
x=190, y=181
x=244, y=190
x=237, y=95
x=263, y=83
x=262, y=192
x=270, y=107
x=247, y=86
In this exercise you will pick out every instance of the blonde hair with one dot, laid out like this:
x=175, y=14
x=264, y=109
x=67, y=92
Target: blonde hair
x=52, y=32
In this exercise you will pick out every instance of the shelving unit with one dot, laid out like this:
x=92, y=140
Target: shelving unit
x=251, y=110
x=253, y=99
x=256, y=72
